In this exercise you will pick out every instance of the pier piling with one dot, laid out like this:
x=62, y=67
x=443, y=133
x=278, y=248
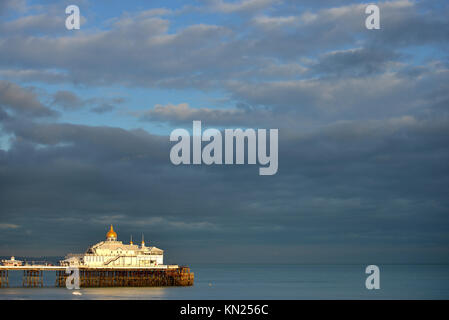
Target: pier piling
x=33, y=278
x=130, y=278
x=4, y=279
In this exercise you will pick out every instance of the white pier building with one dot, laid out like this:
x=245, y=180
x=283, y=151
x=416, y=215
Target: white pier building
x=114, y=253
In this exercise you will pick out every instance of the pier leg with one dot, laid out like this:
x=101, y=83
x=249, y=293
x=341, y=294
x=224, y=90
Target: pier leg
x=32, y=278
x=110, y=278
x=4, y=278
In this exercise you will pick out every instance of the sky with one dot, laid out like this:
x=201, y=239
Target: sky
x=363, y=120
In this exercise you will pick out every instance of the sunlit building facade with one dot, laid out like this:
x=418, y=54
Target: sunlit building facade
x=114, y=253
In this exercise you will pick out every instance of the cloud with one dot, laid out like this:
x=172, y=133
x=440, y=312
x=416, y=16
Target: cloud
x=103, y=108
x=40, y=23
x=363, y=95
x=164, y=223
x=70, y=101
x=22, y=101
x=205, y=56
x=408, y=23
x=267, y=22
x=4, y=226
x=355, y=62
x=396, y=168
x=32, y=75
x=184, y=114
x=67, y=100
x=240, y=6
x=156, y=12
x=12, y=5
x=152, y=55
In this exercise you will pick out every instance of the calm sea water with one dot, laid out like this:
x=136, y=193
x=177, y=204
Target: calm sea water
x=269, y=282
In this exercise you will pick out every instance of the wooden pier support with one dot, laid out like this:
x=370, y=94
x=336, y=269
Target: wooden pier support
x=4, y=279
x=130, y=278
x=104, y=277
x=33, y=278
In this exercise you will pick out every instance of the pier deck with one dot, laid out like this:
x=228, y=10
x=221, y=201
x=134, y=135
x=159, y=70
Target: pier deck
x=56, y=268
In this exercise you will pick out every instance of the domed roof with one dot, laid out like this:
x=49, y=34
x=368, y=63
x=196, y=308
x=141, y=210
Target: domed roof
x=111, y=234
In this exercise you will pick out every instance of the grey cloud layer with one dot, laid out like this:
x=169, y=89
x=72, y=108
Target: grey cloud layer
x=140, y=50
x=382, y=181
x=273, y=66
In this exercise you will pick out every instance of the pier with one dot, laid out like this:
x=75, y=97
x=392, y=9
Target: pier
x=167, y=275
x=109, y=263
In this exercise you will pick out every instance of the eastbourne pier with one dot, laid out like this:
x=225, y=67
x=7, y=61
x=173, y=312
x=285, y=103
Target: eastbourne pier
x=109, y=263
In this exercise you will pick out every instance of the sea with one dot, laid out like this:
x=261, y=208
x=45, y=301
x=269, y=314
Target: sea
x=259, y=281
